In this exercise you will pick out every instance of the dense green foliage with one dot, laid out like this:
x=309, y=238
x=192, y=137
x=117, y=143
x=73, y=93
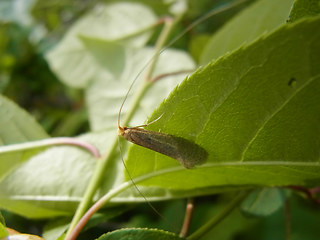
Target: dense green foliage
x=244, y=85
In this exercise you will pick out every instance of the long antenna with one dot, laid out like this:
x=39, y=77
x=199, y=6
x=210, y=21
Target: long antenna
x=211, y=13
x=136, y=187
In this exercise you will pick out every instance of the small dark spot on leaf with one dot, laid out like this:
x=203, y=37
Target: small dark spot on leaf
x=288, y=19
x=292, y=82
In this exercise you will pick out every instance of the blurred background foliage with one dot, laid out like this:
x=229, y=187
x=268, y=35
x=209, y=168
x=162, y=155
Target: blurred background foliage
x=29, y=28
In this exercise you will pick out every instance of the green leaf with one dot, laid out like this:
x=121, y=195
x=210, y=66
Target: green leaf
x=16, y=11
x=260, y=18
x=196, y=45
x=52, y=182
x=255, y=112
x=3, y=231
x=17, y=125
x=263, y=202
x=55, y=228
x=2, y=221
x=116, y=23
x=304, y=8
x=139, y=233
x=14, y=155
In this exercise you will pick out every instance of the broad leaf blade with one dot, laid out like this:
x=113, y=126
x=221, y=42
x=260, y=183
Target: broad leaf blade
x=52, y=182
x=117, y=22
x=17, y=125
x=254, y=111
x=261, y=17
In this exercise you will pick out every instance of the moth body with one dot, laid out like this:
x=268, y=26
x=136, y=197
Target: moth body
x=188, y=153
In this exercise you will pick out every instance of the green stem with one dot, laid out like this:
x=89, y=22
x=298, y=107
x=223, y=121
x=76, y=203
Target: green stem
x=140, y=31
x=168, y=26
x=92, y=187
x=135, y=103
x=218, y=218
x=102, y=201
x=104, y=161
x=287, y=220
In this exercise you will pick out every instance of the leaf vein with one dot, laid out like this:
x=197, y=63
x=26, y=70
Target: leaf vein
x=274, y=114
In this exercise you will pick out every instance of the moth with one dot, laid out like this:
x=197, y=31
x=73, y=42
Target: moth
x=188, y=153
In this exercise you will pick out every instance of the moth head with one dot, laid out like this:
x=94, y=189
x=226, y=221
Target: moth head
x=121, y=130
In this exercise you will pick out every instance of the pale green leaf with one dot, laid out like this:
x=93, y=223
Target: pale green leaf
x=105, y=94
x=16, y=11
x=120, y=23
x=263, y=202
x=52, y=182
x=255, y=112
x=17, y=125
x=261, y=17
x=13, y=155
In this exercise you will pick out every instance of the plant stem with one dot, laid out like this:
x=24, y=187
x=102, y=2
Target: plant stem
x=187, y=218
x=92, y=187
x=168, y=26
x=102, y=201
x=218, y=218
x=104, y=161
x=287, y=219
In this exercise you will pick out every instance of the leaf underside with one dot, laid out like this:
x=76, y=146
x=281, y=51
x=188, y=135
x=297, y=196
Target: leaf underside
x=255, y=112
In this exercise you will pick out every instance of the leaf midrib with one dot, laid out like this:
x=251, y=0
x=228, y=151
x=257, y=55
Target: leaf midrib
x=227, y=164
